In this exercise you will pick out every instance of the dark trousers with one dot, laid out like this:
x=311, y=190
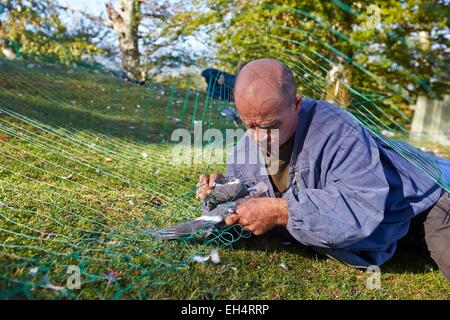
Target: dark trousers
x=430, y=233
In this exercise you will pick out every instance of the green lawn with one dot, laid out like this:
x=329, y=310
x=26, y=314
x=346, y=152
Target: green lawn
x=83, y=172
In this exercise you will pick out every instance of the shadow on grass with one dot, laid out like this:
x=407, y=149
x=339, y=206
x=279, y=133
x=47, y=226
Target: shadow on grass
x=79, y=104
x=277, y=241
x=405, y=260
x=85, y=120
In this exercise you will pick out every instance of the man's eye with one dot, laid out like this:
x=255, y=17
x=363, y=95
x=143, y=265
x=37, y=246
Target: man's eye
x=269, y=127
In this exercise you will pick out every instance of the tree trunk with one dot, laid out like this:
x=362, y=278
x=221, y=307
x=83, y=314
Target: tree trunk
x=125, y=23
x=339, y=77
x=338, y=81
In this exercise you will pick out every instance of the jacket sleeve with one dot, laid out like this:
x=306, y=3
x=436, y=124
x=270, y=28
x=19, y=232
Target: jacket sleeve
x=351, y=204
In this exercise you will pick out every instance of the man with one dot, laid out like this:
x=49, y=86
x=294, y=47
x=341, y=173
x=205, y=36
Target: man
x=338, y=188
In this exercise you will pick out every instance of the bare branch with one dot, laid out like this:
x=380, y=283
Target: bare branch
x=160, y=12
x=113, y=15
x=161, y=16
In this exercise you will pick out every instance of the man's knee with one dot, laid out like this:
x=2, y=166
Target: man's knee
x=439, y=247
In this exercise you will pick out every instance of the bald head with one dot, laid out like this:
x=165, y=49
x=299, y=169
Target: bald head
x=265, y=96
x=265, y=76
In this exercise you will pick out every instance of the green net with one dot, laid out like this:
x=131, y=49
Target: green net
x=86, y=167
x=85, y=172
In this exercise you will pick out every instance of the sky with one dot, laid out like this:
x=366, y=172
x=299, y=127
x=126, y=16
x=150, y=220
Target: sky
x=91, y=6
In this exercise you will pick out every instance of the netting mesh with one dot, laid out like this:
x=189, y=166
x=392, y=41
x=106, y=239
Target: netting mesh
x=74, y=194
x=86, y=168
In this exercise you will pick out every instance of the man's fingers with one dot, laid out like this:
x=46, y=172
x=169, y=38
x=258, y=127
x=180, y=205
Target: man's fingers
x=242, y=210
x=203, y=180
x=203, y=187
x=256, y=232
x=250, y=228
x=232, y=219
x=245, y=217
x=212, y=179
x=205, y=184
x=244, y=221
x=203, y=192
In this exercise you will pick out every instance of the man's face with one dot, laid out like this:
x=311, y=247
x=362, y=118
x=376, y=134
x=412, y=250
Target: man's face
x=266, y=115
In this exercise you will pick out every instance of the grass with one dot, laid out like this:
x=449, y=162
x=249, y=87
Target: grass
x=79, y=186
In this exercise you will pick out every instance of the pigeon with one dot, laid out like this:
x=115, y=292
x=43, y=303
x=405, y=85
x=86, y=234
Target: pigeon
x=226, y=195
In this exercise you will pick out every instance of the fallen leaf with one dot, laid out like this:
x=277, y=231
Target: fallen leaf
x=215, y=258
x=68, y=176
x=275, y=294
x=285, y=266
x=34, y=270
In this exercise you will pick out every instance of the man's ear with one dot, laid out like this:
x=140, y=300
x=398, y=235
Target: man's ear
x=298, y=103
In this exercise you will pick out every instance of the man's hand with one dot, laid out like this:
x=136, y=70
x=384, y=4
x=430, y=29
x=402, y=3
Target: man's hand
x=259, y=215
x=206, y=184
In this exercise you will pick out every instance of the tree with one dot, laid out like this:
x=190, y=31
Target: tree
x=34, y=28
x=141, y=28
x=341, y=49
x=125, y=22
